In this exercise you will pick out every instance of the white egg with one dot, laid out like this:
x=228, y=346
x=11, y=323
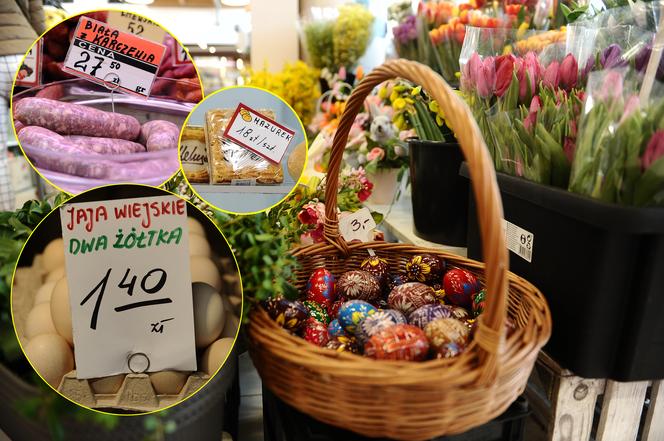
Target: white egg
x=61, y=311
x=195, y=226
x=55, y=275
x=204, y=270
x=54, y=255
x=230, y=327
x=44, y=293
x=51, y=357
x=168, y=382
x=215, y=355
x=107, y=385
x=199, y=246
x=39, y=321
x=209, y=314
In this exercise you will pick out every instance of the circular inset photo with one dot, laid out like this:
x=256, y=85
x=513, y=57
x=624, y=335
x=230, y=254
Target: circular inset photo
x=127, y=299
x=99, y=99
x=243, y=149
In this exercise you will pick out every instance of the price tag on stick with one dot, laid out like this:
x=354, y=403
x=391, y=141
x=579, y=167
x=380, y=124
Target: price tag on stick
x=105, y=55
x=136, y=24
x=129, y=283
x=258, y=133
x=357, y=226
x=29, y=73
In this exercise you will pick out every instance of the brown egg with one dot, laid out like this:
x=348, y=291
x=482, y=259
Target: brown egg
x=204, y=270
x=215, y=355
x=51, y=357
x=56, y=274
x=54, y=255
x=44, y=293
x=39, y=321
x=199, y=246
x=61, y=311
x=209, y=314
x=168, y=382
x=107, y=385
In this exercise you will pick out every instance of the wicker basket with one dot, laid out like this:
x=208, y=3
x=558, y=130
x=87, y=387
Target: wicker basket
x=408, y=400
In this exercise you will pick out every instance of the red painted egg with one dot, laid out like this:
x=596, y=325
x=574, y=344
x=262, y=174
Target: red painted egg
x=460, y=286
x=315, y=332
x=398, y=342
x=320, y=287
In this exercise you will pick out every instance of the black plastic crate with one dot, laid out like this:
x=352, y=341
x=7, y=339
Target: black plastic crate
x=282, y=422
x=601, y=269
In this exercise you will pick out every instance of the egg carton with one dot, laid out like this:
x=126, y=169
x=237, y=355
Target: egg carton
x=136, y=393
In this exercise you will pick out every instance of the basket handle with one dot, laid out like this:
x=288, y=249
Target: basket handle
x=490, y=331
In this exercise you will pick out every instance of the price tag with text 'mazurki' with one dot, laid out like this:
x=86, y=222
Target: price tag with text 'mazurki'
x=129, y=280
x=258, y=133
x=119, y=60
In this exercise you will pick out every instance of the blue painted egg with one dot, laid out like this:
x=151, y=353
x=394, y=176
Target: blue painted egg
x=335, y=329
x=352, y=312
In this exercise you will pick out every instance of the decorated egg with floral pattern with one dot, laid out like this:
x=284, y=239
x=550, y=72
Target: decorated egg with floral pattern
x=376, y=266
x=352, y=312
x=358, y=284
x=320, y=287
x=398, y=342
x=479, y=300
x=344, y=343
x=410, y=296
x=427, y=313
x=333, y=308
x=287, y=314
x=394, y=280
x=425, y=268
x=315, y=332
x=446, y=330
x=334, y=329
x=460, y=313
x=317, y=311
x=460, y=285
x=374, y=323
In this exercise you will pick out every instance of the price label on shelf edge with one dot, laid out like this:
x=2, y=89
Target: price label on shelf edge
x=136, y=24
x=357, y=226
x=519, y=241
x=108, y=56
x=129, y=280
x=29, y=73
x=258, y=133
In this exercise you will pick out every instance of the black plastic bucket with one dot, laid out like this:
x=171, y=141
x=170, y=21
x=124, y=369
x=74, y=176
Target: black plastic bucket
x=439, y=194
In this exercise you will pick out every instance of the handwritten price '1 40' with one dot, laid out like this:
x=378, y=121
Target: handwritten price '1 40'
x=147, y=285
x=247, y=132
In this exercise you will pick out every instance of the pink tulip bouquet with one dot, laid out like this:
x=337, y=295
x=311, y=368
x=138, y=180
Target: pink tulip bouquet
x=620, y=147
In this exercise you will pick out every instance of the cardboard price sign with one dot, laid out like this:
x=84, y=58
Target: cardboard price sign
x=129, y=283
x=136, y=24
x=116, y=59
x=258, y=133
x=357, y=226
x=29, y=73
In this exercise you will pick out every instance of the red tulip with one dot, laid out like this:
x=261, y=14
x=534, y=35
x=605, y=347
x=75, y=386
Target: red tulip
x=528, y=74
x=654, y=149
x=531, y=119
x=504, y=73
x=569, y=71
x=569, y=147
x=551, y=76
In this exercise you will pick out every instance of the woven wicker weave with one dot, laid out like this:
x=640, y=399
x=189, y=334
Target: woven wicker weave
x=408, y=400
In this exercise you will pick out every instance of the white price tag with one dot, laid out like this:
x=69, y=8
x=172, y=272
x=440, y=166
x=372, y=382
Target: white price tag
x=119, y=60
x=29, y=73
x=180, y=54
x=357, y=226
x=518, y=240
x=130, y=295
x=136, y=24
x=193, y=154
x=258, y=133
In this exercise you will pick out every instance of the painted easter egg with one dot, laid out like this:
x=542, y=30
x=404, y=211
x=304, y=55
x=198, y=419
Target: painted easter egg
x=376, y=266
x=289, y=315
x=449, y=350
x=334, y=329
x=460, y=313
x=460, y=285
x=315, y=332
x=333, y=308
x=374, y=323
x=317, y=311
x=394, y=280
x=479, y=300
x=410, y=296
x=352, y=312
x=398, y=342
x=344, y=343
x=423, y=315
x=446, y=330
x=320, y=287
x=425, y=268
x=359, y=285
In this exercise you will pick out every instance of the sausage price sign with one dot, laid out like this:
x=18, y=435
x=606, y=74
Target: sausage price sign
x=106, y=55
x=258, y=133
x=129, y=283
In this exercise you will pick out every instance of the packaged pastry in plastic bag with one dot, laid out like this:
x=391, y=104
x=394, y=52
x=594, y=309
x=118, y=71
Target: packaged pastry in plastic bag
x=231, y=163
x=193, y=154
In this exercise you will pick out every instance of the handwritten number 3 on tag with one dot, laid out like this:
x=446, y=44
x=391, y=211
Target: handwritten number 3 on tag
x=100, y=289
